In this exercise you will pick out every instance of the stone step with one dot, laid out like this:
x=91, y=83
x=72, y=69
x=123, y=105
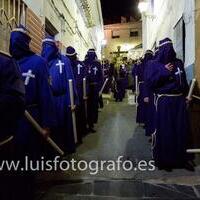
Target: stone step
x=115, y=189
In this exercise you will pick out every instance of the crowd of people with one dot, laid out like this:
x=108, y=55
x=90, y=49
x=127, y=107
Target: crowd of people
x=162, y=105
x=118, y=79
x=55, y=92
x=58, y=92
x=63, y=95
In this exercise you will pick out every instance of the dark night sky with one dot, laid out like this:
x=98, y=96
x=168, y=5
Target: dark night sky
x=114, y=9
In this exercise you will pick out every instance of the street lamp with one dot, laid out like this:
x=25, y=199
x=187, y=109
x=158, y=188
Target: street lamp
x=143, y=6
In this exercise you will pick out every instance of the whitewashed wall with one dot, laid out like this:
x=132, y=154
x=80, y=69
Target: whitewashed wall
x=68, y=33
x=166, y=15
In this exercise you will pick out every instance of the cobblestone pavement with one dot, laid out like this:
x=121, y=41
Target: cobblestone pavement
x=118, y=135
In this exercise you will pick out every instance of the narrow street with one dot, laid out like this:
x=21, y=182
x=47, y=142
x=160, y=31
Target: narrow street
x=118, y=135
x=60, y=60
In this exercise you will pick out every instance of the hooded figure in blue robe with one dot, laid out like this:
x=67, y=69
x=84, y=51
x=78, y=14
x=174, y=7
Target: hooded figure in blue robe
x=12, y=105
x=122, y=83
x=61, y=72
x=141, y=109
x=80, y=72
x=39, y=100
x=149, y=99
x=167, y=79
x=95, y=80
x=107, y=74
x=12, y=101
x=134, y=73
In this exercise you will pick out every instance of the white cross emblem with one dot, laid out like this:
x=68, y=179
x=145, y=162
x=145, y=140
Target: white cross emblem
x=60, y=65
x=179, y=72
x=95, y=70
x=28, y=75
x=79, y=68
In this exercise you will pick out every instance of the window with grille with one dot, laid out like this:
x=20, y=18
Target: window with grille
x=12, y=13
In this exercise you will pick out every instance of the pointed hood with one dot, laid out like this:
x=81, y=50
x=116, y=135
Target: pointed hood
x=49, y=49
x=166, y=52
x=71, y=53
x=91, y=56
x=19, y=43
x=148, y=56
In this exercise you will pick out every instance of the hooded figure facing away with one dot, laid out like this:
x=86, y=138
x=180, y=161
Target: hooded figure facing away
x=149, y=99
x=12, y=101
x=140, y=70
x=39, y=100
x=60, y=72
x=95, y=80
x=39, y=103
x=167, y=79
x=122, y=82
x=80, y=72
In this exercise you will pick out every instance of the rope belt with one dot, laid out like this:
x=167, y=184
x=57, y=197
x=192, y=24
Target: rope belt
x=156, y=100
x=158, y=96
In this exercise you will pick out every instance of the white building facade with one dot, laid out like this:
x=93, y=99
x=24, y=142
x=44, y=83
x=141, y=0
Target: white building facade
x=77, y=23
x=124, y=38
x=174, y=19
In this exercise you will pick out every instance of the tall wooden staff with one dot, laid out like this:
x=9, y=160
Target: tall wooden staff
x=136, y=90
x=104, y=85
x=191, y=89
x=85, y=96
x=41, y=131
x=37, y=127
x=72, y=109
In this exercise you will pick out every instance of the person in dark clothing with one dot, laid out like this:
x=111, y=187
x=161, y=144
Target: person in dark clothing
x=80, y=72
x=12, y=105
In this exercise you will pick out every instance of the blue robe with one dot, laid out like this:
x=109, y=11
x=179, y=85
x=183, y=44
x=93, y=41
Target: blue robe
x=39, y=100
x=141, y=108
x=60, y=70
x=95, y=80
x=122, y=83
x=60, y=88
x=106, y=74
x=172, y=125
x=80, y=72
x=12, y=98
x=150, y=106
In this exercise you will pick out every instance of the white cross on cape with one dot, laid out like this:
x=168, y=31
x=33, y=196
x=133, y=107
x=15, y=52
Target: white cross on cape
x=28, y=75
x=179, y=72
x=60, y=65
x=79, y=68
x=95, y=70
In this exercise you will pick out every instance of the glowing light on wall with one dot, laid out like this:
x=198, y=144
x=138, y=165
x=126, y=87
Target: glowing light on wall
x=143, y=6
